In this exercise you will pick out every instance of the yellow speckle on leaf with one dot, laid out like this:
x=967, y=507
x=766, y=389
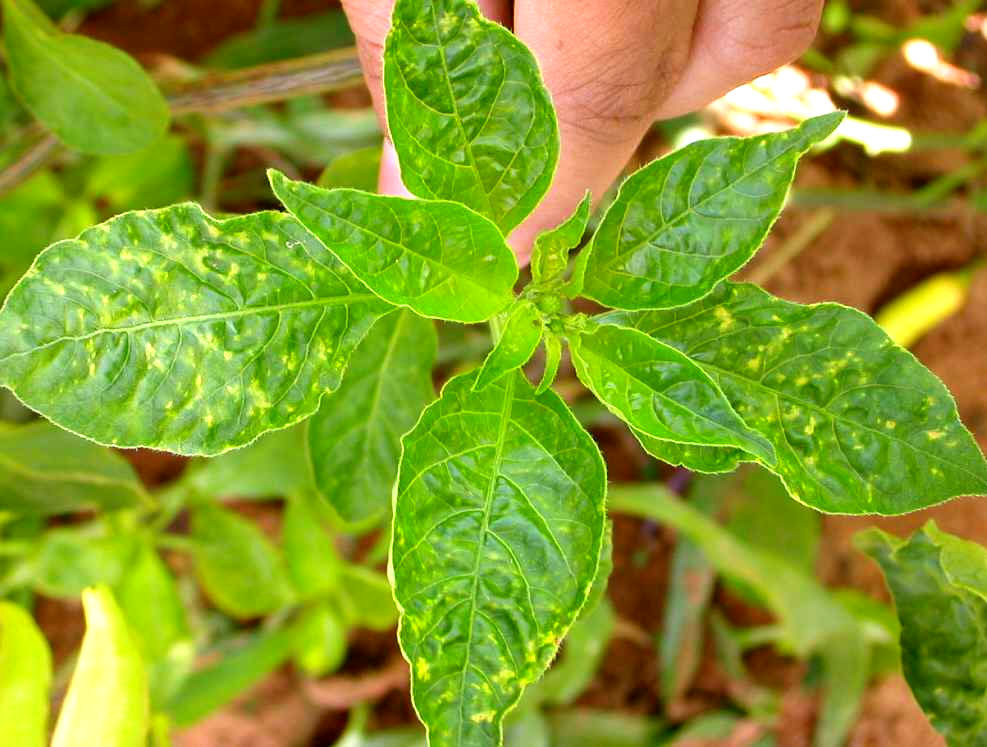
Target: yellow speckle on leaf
x=890, y=424
x=725, y=317
x=935, y=435
x=421, y=668
x=483, y=717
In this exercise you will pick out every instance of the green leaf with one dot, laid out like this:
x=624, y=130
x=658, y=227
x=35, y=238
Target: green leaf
x=159, y=175
x=67, y=560
x=44, y=470
x=365, y=599
x=584, y=727
x=939, y=583
x=149, y=598
x=354, y=440
x=357, y=169
x=171, y=329
x=550, y=256
x=499, y=519
x=705, y=459
x=439, y=259
x=313, y=564
x=687, y=221
x=213, y=686
x=25, y=677
x=584, y=649
x=107, y=700
x=469, y=116
x=321, y=641
x=553, y=358
x=94, y=97
x=657, y=390
x=858, y=425
x=283, y=39
x=273, y=465
x=238, y=567
x=518, y=341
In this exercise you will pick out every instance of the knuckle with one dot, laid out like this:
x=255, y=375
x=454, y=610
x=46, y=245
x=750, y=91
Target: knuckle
x=775, y=37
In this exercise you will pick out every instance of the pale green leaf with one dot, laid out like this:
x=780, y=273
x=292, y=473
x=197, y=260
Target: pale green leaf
x=107, y=700
x=313, y=564
x=657, y=390
x=550, y=256
x=44, y=470
x=439, y=259
x=67, y=560
x=320, y=646
x=365, y=599
x=939, y=583
x=357, y=169
x=553, y=358
x=149, y=597
x=273, y=465
x=858, y=425
x=94, y=97
x=518, y=341
x=25, y=676
x=159, y=175
x=469, y=116
x=354, y=440
x=687, y=221
x=237, y=566
x=283, y=39
x=499, y=520
x=171, y=329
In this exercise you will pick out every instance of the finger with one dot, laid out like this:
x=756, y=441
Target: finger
x=608, y=65
x=735, y=41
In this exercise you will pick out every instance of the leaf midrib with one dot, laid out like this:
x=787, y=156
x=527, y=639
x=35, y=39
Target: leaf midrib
x=505, y=417
x=199, y=319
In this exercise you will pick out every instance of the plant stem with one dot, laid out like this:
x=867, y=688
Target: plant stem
x=808, y=232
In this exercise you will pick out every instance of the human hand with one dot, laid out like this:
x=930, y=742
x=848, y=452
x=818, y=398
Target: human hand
x=613, y=67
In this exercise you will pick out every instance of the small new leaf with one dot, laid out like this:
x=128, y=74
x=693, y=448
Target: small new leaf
x=858, y=425
x=439, y=259
x=659, y=391
x=498, y=523
x=550, y=256
x=354, y=440
x=687, y=221
x=467, y=111
x=706, y=459
x=94, y=97
x=173, y=330
x=518, y=341
x=939, y=583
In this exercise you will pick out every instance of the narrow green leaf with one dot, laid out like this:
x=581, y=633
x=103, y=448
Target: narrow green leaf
x=313, y=564
x=499, y=518
x=581, y=656
x=44, y=470
x=550, y=256
x=283, y=39
x=584, y=727
x=25, y=677
x=94, y=97
x=469, y=116
x=212, y=687
x=658, y=390
x=807, y=615
x=939, y=583
x=518, y=342
x=439, y=259
x=238, y=567
x=553, y=358
x=687, y=221
x=155, y=177
x=168, y=328
x=107, y=699
x=354, y=440
x=858, y=425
